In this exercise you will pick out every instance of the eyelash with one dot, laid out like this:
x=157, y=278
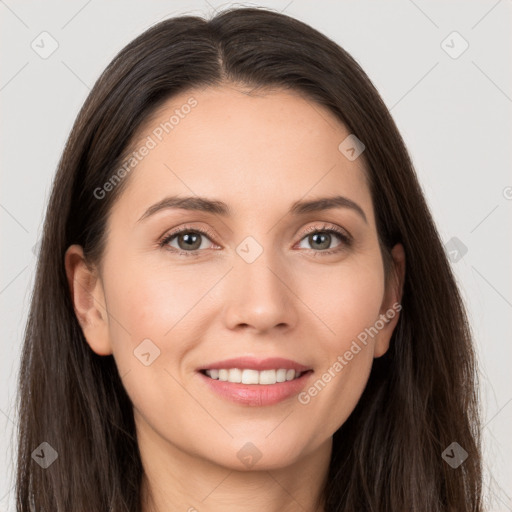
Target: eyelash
x=346, y=240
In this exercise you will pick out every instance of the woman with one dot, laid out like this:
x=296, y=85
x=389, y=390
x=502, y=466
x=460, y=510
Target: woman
x=189, y=347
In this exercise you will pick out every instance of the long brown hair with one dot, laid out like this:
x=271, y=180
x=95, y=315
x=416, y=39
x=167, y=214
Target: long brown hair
x=421, y=395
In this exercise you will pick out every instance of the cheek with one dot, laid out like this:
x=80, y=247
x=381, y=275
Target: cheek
x=150, y=307
x=348, y=302
x=143, y=306
x=154, y=311
x=345, y=300
x=336, y=390
x=149, y=300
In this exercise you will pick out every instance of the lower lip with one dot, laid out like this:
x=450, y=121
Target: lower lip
x=257, y=394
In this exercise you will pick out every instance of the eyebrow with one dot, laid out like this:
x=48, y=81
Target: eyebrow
x=203, y=204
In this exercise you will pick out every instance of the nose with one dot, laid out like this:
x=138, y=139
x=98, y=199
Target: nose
x=259, y=295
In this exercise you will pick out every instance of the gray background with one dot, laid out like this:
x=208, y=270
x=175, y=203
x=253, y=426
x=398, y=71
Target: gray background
x=454, y=114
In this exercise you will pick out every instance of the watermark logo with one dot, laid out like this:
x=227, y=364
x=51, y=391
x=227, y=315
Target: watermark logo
x=249, y=455
x=44, y=45
x=454, y=45
x=146, y=352
x=351, y=147
x=454, y=455
x=455, y=249
x=45, y=455
x=249, y=249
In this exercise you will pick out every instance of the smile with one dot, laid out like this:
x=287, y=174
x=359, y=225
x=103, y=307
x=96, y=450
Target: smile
x=248, y=376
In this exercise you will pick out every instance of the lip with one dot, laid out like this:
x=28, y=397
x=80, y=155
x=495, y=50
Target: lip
x=252, y=363
x=258, y=395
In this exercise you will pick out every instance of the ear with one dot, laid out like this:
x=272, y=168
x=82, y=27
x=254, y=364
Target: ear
x=390, y=309
x=88, y=299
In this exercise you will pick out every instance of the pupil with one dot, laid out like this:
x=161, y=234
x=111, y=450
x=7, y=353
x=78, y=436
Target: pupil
x=189, y=240
x=325, y=236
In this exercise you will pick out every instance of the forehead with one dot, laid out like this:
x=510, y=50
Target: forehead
x=253, y=150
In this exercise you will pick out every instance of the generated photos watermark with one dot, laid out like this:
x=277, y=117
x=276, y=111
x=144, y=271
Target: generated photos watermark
x=150, y=142
x=342, y=360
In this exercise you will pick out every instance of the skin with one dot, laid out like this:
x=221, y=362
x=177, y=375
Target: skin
x=258, y=153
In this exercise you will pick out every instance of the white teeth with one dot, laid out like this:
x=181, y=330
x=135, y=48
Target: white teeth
x=281, y=375
x=250, y=377
x=267, y=377
x=236, y=375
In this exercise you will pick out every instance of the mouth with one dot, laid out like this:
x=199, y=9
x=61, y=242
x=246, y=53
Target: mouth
x=251, y=381
x=252, y=377
x=256, y=388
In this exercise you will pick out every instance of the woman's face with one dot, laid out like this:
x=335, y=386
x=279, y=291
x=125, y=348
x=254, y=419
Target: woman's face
x=261, y=284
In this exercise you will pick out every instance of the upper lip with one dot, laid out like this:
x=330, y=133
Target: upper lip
x=252, y=363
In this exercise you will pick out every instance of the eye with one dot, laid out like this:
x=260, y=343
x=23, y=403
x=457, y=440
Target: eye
x=323, y=237
x=190, y=241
